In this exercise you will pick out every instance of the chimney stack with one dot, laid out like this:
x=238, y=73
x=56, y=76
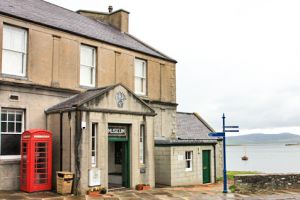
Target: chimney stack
x=118, y=19
x=110, y=9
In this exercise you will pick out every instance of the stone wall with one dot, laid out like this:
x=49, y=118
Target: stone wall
x=162, y=165
x=180, y=176
x=266, y=182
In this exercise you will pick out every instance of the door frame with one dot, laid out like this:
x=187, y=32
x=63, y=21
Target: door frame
x=127, y=150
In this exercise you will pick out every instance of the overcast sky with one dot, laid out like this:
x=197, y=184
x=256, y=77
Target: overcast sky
x=235, y=56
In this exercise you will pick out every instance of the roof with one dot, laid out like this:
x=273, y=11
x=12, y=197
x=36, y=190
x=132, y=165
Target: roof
x=84, y=97
x=78, y=99
x=53, y=16
x=184, y=142
x=190, y=126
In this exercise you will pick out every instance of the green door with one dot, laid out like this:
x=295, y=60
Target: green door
x=206, y=166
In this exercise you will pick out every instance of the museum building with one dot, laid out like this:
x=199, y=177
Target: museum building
x=108, y=98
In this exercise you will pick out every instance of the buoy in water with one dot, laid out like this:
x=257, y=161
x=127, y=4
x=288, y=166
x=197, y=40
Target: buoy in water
x=245, y=157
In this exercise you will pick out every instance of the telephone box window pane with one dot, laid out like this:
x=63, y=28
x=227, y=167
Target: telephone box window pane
x=10, y=144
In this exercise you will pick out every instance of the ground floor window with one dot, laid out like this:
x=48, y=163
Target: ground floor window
x=188, y=161
x=94, y=144
x=12, y=126
x=142, y=144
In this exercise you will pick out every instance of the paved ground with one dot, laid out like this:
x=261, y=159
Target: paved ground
x=201, y=192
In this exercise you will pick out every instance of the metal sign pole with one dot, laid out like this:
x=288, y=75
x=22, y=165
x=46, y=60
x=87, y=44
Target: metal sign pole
x=224, y=157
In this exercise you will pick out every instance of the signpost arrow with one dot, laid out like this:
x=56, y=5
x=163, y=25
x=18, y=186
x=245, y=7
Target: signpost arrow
x=231, y=130
x=231, y=126
x=219, y=134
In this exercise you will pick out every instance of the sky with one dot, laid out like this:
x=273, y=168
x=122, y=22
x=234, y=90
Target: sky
x=237, y=57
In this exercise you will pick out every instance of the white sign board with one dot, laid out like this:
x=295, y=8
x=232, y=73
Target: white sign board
x=94, y=177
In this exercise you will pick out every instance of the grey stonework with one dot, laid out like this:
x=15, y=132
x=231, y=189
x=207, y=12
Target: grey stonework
x=34, y=102
x=266, y=182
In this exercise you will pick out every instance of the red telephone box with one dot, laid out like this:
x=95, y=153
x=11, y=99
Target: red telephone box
x=36, y=160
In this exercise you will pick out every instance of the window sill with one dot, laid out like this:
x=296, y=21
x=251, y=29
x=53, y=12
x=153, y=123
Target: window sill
x=18, y=77
x=7, y=160
x=188, y=170
x=86, y=87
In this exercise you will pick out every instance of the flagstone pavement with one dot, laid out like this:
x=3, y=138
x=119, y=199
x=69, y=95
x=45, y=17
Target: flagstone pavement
x=200, y=192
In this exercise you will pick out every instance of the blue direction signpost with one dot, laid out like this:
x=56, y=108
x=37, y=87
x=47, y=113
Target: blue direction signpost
x=222, y=134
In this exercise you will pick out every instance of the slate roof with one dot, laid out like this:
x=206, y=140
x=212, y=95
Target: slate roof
x=190, y=126
x=78, y=99
x=184, y=142
x=47, y=14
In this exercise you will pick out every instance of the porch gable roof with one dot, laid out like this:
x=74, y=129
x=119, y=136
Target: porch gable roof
x=77, y=101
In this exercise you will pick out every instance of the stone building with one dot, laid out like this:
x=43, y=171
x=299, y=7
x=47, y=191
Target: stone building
x=192, y=157
x=104, y=94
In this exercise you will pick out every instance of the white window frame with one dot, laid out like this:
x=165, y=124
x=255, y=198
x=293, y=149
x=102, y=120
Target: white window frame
x=9, y=157
x=91, y=67
x=189, y=159
x=94, y=138
x=142, y=144
x=143, y=78
x=5, y=69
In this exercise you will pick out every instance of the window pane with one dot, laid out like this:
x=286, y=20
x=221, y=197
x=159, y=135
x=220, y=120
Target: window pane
x=11, y=117
x=3, y=116
x=138, y=69
x=11, y=127
x=19, y=117
x=18, y=127
x=87, y=55
x=3, y=127
x=12, y=62
x=85, y=75
x=138, y=85
x=10, y=144
x=14, y=38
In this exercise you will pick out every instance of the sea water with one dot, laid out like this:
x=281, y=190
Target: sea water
x=269, y=158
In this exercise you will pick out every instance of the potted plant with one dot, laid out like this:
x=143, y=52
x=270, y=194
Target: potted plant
x=142, y=187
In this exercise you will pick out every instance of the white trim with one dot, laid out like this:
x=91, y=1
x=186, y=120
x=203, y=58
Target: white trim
x=92, y=67
x=189, y=160
x=94, y=158
x=10, y=157
x=22, y=52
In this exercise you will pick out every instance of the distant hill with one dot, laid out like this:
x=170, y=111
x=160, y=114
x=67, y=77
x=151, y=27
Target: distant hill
x=260, y=138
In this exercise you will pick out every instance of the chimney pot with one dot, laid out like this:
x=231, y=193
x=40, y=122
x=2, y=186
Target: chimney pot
x=110, y=9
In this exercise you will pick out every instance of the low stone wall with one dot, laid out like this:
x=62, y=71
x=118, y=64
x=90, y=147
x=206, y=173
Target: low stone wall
x=266, y=182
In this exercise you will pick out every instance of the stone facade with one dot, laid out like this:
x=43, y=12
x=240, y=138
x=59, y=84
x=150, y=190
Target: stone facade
x=53, y=74
x=33, y=101
x=170, y=165
x=266, y=182
x=139, y=173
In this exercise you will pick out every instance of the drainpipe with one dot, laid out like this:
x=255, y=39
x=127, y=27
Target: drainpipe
x=61, y=140
x=215, y=164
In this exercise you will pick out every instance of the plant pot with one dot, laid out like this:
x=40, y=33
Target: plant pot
x=146, y=187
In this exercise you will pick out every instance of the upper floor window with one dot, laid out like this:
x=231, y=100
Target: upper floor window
x=140, y=75
x=87, y=65
x=14, y=51
x=12, y=126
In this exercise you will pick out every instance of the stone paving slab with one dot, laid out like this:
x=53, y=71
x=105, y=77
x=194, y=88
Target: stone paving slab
x=201, y=192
